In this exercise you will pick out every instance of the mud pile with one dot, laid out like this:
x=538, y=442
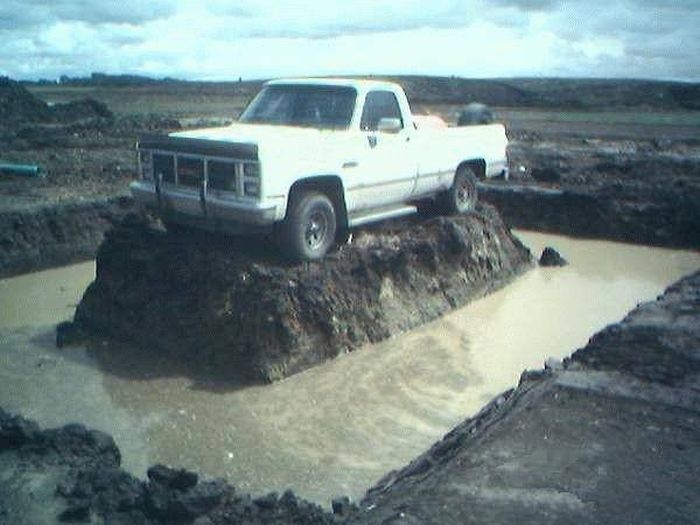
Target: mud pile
x=640, y=192
x=608, y=436
x=18, y=106
x=16, y=103
x=72, y=474
x=231, y=305
x=52, y=235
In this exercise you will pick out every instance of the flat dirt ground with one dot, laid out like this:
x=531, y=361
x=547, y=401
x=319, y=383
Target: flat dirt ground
x=86, y=158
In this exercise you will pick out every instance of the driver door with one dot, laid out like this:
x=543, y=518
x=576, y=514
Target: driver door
x=386, y=169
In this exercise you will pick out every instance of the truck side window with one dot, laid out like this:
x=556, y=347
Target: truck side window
x=379, y=105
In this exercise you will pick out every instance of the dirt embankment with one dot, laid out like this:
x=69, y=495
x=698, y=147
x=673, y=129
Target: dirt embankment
x=72, y=475
x=609, y=436
x=55, y=234
x=231, y=305
x=643, y=191
x=85, y=156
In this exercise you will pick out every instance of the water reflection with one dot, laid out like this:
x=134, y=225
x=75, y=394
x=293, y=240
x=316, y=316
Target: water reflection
x=337, y=428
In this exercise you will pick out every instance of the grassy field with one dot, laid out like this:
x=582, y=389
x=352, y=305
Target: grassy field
x=226, y=101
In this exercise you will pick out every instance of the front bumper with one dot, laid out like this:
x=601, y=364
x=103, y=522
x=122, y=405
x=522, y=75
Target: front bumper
x=209, y=211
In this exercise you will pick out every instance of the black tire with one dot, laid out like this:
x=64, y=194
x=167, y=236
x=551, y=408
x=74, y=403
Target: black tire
x=308, y=232
x=462, y=195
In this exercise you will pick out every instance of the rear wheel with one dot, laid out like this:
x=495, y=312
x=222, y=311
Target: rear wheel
x=308, y=232
x=462, y=196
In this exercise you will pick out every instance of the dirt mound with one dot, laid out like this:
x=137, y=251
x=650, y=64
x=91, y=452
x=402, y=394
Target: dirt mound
x=229, y=306
x=19, y=106
x=16, y=103
x=80, y=110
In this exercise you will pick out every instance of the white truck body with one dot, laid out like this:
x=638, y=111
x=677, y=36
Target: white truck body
x=243, y=176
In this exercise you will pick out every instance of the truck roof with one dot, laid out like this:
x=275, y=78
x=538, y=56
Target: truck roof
x=359, y=84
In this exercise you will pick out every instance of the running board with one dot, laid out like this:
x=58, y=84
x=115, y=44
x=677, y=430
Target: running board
x=379, y=214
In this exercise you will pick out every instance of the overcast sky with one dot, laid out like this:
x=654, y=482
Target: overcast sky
x=227, y=39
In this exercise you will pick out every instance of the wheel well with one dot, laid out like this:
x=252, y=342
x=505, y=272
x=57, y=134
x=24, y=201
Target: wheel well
x=332, y=187
x=477, y=165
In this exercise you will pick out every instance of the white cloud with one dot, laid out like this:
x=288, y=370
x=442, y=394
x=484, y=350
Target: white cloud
x=262, y=38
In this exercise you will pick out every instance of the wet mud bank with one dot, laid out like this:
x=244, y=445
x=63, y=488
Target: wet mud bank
x=609, y=435
x=230, y=306
x=659, y=216
x=75, y=473
x=642, y=190
x=42, y=237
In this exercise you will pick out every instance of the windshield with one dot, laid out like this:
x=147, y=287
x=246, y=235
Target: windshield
x=327, y=107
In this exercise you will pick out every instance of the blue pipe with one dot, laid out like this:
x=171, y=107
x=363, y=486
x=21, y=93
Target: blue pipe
x=28, y=170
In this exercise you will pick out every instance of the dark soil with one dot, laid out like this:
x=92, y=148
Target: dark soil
x=609, y=436
x=84, y=150
x=85, y=156
x=638, y=191
x=72, y=475
x=56, y=234
x=230, y=304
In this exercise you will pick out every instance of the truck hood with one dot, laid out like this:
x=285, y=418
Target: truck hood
x=285, y=148
x=254, y=134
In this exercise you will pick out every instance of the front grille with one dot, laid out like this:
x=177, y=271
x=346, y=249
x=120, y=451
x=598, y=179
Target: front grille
x=231, y=176
x=222, y=175
x=190, y=171
x=164, y=166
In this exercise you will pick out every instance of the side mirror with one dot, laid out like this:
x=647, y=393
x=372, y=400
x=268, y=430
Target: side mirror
x=389, y=125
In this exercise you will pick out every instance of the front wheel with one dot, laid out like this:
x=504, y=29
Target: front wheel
x=462, y=196
x=308, y=231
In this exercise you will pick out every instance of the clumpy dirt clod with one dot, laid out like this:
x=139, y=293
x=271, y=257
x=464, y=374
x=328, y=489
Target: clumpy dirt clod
x=232, y=305
x=551, y=257
x=74, y=472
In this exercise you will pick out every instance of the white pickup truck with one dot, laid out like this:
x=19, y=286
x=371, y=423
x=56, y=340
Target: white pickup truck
x=311, y=158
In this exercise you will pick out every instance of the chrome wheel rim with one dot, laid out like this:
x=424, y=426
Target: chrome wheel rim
x=464, y=194
x=316, y=230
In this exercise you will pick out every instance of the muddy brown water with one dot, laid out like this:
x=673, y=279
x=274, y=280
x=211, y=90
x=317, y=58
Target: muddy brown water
x=337, y=428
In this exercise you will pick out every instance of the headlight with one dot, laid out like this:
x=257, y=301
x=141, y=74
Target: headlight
x=251, y=179
x=251, y=188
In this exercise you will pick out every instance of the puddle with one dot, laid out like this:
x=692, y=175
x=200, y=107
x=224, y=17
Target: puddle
x=337, y=428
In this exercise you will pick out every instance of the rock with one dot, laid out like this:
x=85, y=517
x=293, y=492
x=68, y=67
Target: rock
x=551, y=257
x=67, y=334
x=342, y=506
x=15, y=431
x=178, y=479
